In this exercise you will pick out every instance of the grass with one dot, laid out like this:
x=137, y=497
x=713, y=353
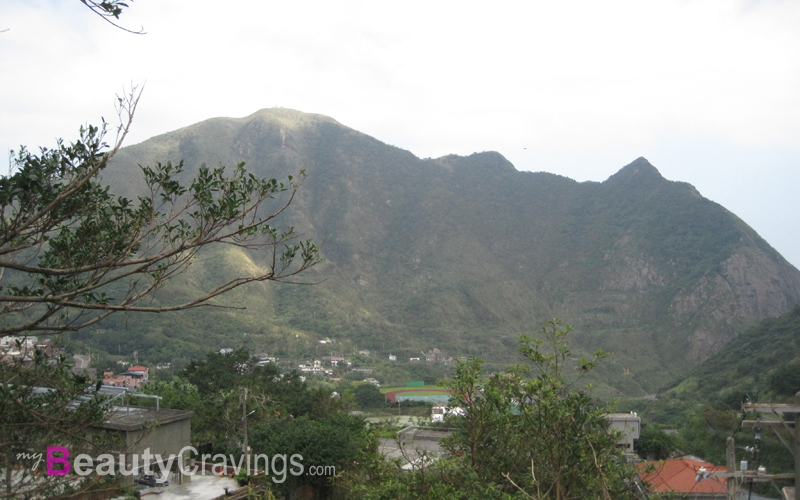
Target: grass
x=434, y=389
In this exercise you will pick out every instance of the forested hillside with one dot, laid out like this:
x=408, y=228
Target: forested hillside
x=464, y=254
x=762, y=364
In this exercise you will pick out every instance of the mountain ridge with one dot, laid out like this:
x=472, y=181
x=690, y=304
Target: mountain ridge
x=466, y=252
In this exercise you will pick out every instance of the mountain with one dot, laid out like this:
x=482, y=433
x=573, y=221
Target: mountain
x=466, y=253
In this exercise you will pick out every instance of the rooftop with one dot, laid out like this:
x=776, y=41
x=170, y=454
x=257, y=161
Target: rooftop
x=680, y=475
x=133, y=418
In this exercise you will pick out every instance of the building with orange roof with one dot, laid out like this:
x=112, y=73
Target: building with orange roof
x=680, y=475
x=135, y=377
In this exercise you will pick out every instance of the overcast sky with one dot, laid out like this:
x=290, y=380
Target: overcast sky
x=707, y=90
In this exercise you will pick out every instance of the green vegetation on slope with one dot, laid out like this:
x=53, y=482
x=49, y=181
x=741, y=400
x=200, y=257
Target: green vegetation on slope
x=465, y=253
x=762, y=364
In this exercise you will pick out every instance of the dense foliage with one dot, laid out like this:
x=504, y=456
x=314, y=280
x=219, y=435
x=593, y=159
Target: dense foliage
x=655, y=444
x=233, y=396
x=368, y=396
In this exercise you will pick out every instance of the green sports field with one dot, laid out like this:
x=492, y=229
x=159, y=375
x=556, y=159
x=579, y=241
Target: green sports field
x=436, y=389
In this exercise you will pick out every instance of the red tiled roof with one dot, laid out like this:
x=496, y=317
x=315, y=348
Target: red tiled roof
x=680, y=475
x=137, y=369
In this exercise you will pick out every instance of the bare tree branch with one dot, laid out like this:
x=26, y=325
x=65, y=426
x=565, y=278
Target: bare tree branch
x=109, y=11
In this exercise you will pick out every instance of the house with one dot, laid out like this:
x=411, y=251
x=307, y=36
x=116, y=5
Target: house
x=25, y=343
x=629, y=424
x=265, y=359
x=132, y=438
x=25, y=348
x=680, y=475
x=315, y=367
x=442, y=410
x=139, y=372
x=437, y=356
x=166, y=433
x=135, y=377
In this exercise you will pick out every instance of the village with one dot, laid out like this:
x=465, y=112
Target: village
x=415, y=443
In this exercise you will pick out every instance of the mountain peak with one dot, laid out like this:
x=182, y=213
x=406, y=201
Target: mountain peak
x=638, y=171
x=483, y=161
x=288, y=116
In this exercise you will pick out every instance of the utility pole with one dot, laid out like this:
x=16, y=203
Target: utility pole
x=797, y=449
x=244, y=418
x=731, y=474
x=730, y=463
x=245, y=447
x=780, y=409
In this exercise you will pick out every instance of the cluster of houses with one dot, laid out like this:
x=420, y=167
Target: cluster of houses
x=314, y=368
x=317, y=367
x=25, y=347
x=432, y=356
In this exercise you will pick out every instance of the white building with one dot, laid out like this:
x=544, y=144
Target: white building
x=629, y=424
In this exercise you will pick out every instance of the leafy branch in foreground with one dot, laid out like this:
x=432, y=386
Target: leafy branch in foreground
x=72, y=253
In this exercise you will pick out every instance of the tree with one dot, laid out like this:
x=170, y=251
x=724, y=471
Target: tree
x=225, y=383
x=526, y=433
x=328, y=444
x=785, y=381
x=72, y=253
x=655, y=444
x=369, y=396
